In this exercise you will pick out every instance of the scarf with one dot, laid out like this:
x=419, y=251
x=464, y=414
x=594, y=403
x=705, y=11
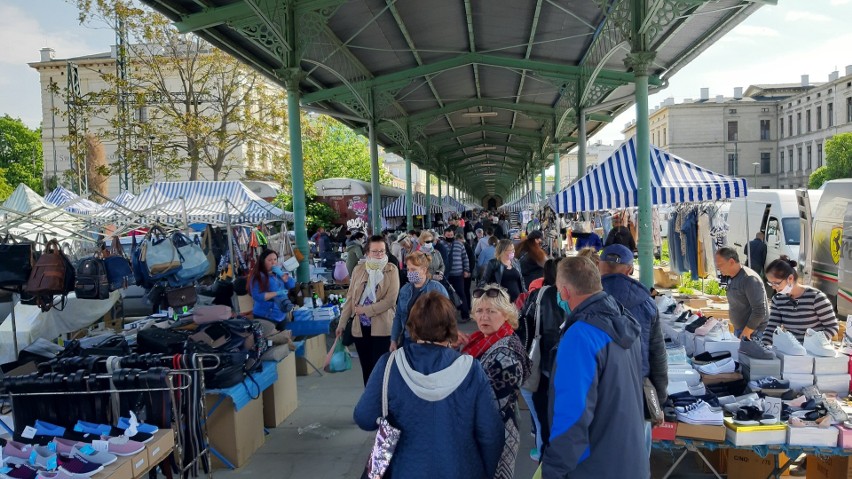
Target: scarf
x=479, y=343
x=375, y=275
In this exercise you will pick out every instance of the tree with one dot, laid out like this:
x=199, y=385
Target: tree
x=194, y=104
x=20, y=154
x=316, y=213
x=838, y=161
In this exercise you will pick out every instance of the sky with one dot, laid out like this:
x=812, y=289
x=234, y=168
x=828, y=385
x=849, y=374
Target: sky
x=777, y=44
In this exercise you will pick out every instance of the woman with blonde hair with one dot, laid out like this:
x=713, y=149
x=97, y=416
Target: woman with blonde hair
x=591, y=253
x=505, y=270
x=427, y=246
x=419, y=282
x=504, y=359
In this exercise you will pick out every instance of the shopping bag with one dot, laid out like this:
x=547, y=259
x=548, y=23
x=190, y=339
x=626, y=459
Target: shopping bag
x=16, y=262
x=387, y=437
x=338, y=358
x=159, y=255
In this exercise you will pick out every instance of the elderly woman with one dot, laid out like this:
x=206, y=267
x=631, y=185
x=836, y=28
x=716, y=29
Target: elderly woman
x=504, y=270
x=371, y=298
x=427, y=246
x=505, y=361
x=440, y=399
x=419, y=282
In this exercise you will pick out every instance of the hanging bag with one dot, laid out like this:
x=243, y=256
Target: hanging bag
x=338, y=358
x=194, y=262
x=207, y=242
x=531, y=384
x=387, y=437
x=91, y=279
x=159, y=255
x=179, y=298
x=53, y=274
x=16, y=263
x=118, y=269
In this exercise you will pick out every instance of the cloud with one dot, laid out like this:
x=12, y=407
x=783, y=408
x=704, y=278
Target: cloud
x=798, y=15
x=754, y=31
x=835, y=3
x=23, y=37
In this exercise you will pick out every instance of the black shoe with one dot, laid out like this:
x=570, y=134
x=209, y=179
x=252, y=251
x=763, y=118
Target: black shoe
x=691, y=327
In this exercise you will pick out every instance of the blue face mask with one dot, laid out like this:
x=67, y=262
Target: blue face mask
x=562, y=303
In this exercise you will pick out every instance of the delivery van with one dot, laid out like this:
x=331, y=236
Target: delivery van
x=773, y=212
x=826, y=261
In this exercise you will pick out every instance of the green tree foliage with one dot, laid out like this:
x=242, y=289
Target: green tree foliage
x=838, y=161
x=317, y=213
x=20, y=155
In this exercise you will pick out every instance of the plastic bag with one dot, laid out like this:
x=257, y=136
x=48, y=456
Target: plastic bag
x=338, y=359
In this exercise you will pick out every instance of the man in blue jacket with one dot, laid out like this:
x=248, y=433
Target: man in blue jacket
x=616, y=265
x=596, y=410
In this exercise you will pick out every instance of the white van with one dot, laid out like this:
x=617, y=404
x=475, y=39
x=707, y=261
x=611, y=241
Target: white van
x=826, y=261
x=773, y=212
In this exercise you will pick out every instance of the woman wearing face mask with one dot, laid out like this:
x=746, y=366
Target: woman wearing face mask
x=796, y=307
x=427, y=246
x=373, y=289
x=418, y=284
x=505, y=270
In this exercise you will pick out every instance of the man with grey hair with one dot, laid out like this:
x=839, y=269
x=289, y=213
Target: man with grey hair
x=595, y=398
x=747, y=304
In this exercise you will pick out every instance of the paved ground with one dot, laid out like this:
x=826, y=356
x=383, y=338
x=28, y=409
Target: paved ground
x=329, y=400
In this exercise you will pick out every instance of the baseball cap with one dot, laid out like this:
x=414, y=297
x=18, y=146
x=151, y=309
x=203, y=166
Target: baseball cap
x=617, y=253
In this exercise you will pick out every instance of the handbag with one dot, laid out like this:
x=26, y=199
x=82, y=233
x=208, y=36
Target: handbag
x=118, y=269
x=653, y=411
x=532, y=382
x=159, y=255
x=346, y=338
x=207, y=243
x=387, y=437
x=16, y=262
x=454, y=296
x=338, y=358
x=194, y=263
x=184, y=296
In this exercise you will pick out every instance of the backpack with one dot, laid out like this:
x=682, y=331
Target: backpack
x=91, y=279
x=53, y=274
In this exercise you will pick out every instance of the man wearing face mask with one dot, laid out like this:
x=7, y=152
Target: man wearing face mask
x=354, y=251
x=747, y=303
x=598, y=360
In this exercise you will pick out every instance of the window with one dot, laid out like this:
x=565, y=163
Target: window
x=764, y=129
x=808, y=120
x=819, y=117
x=790, y=160
x=829, y=110
x=781, y=128
x=809, y=163
x=781, y=164
x=799, y=154
x=799, y=123
x=819, y=155
x=732, y=130
x=732, y=163
x=142, y=114
x=849, y=109
x=790, y=125
x=732, y=111
x=765, y=110
x=764, y=163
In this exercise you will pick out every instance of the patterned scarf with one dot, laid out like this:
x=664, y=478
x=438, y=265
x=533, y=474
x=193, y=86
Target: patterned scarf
x=479, y=342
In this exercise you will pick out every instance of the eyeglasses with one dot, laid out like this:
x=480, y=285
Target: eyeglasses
x=378, y=252
x=775, y=284
x=427, y=242
x=491, y=292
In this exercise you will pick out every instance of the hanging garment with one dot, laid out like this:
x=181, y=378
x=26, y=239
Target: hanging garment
x=708, y=246
x=689, y=233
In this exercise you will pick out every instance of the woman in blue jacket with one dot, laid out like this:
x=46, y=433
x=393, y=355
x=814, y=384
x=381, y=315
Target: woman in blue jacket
x=440, y=399
x=417, y=265
x=269, y=285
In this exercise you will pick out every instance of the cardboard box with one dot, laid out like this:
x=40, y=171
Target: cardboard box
x=139, y=463
x=281, y=399
x=667, y=431
x=315, y=351
x=836, y=365
x=744, y=464
x=829, y=467
x=798, y=381
x=120, y=469
x=235, y=434
x=701, y=431
x=698, y=303
x=161, y=446
x=812, y=436
x=731, y=346
x=742, y=435
x=845, y=440
x=836, y=383
x=717, y=458
x=663, y=278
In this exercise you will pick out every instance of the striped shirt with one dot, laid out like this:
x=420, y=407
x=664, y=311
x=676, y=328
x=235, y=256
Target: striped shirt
x=459, y=263
x=810, y=310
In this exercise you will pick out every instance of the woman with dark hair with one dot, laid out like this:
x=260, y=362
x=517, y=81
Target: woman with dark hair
x=796, y=307
x=373, y=290
x=440, y=399
x=269, y=285
x=505, y=270
x=531, y=256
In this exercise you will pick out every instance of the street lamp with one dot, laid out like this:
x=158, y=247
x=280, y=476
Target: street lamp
x=151, y=156
x=756, y=164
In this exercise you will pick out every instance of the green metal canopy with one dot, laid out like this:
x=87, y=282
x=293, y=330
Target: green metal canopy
x=463, y=87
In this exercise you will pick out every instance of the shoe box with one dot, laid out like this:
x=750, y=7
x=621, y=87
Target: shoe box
x=799, y=380
x=746, y=464
x=812, y=436
x=754, y=369
x=281, y=399
x=837, y=383
x=836, y=365
x=755, y=435
x=829, y=467
x=666, y=431
x=703, y=344
x=701, y=431
x=795, y=364
x=162, y=444
x=139, y=463
x=845, y=438
x=711, y=379
x=120, y=469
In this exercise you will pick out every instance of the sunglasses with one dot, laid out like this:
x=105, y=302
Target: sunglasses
x=427, y=242
x=491, y=292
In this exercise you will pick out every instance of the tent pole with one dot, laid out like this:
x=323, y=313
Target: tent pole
x=186, y=216
x=15, y=298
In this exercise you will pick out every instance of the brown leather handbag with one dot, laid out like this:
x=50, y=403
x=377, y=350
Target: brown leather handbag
x=180, y=297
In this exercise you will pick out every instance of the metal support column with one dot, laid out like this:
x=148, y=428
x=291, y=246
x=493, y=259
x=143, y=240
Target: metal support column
x=409, y=198
x=557, y=175
x=543, y=184
x=297, y=175
x=581, y=142
x=375, y=187
x=427, y=220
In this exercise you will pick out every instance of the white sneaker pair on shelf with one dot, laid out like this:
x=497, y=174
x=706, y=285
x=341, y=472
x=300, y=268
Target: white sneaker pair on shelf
x=787, y=344
x=727, y=365
x=700, y=413
x=816, y=343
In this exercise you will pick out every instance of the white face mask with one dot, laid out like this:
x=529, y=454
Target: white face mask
x=787, y=289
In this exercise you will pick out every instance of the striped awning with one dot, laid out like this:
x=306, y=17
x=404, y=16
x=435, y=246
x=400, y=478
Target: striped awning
x=613, y=184
x=453, y=204
x=397, y=209
x=72, y=202
x=531, y=199
x=214, y=202
x=435, y=205
x=123, y=198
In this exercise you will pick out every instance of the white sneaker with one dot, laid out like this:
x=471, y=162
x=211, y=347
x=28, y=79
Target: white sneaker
x=726, y=365
x=786, y=343
x=700, y=413
x=817, y=344
x=699, y=390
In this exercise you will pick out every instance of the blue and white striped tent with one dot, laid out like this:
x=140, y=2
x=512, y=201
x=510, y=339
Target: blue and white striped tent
x=613, y=184
x=213, y=202
x=72, y=202
x=453, y=204
x=123, y=198
x=531, y=199
x=397, y=208
x=435, y=205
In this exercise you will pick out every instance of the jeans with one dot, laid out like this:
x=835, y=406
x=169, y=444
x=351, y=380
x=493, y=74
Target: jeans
x=528, y=397
x=648, y=443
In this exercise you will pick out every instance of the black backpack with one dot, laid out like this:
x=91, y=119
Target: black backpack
x=92, y=281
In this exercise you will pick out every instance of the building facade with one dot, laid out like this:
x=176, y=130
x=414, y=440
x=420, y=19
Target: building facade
x=773, y=135
x=568, y=162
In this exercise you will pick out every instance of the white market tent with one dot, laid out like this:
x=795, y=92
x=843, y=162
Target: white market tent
x=72, y=202
x=451, y=204
x=614, y=183
x=26, y=214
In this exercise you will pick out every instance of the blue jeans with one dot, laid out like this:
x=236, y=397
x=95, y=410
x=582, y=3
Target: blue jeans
x=528, y=397
x=648, y=442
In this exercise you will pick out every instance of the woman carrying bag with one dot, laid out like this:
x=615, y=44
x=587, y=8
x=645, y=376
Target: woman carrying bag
x=373, y=290
x=418, y=283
